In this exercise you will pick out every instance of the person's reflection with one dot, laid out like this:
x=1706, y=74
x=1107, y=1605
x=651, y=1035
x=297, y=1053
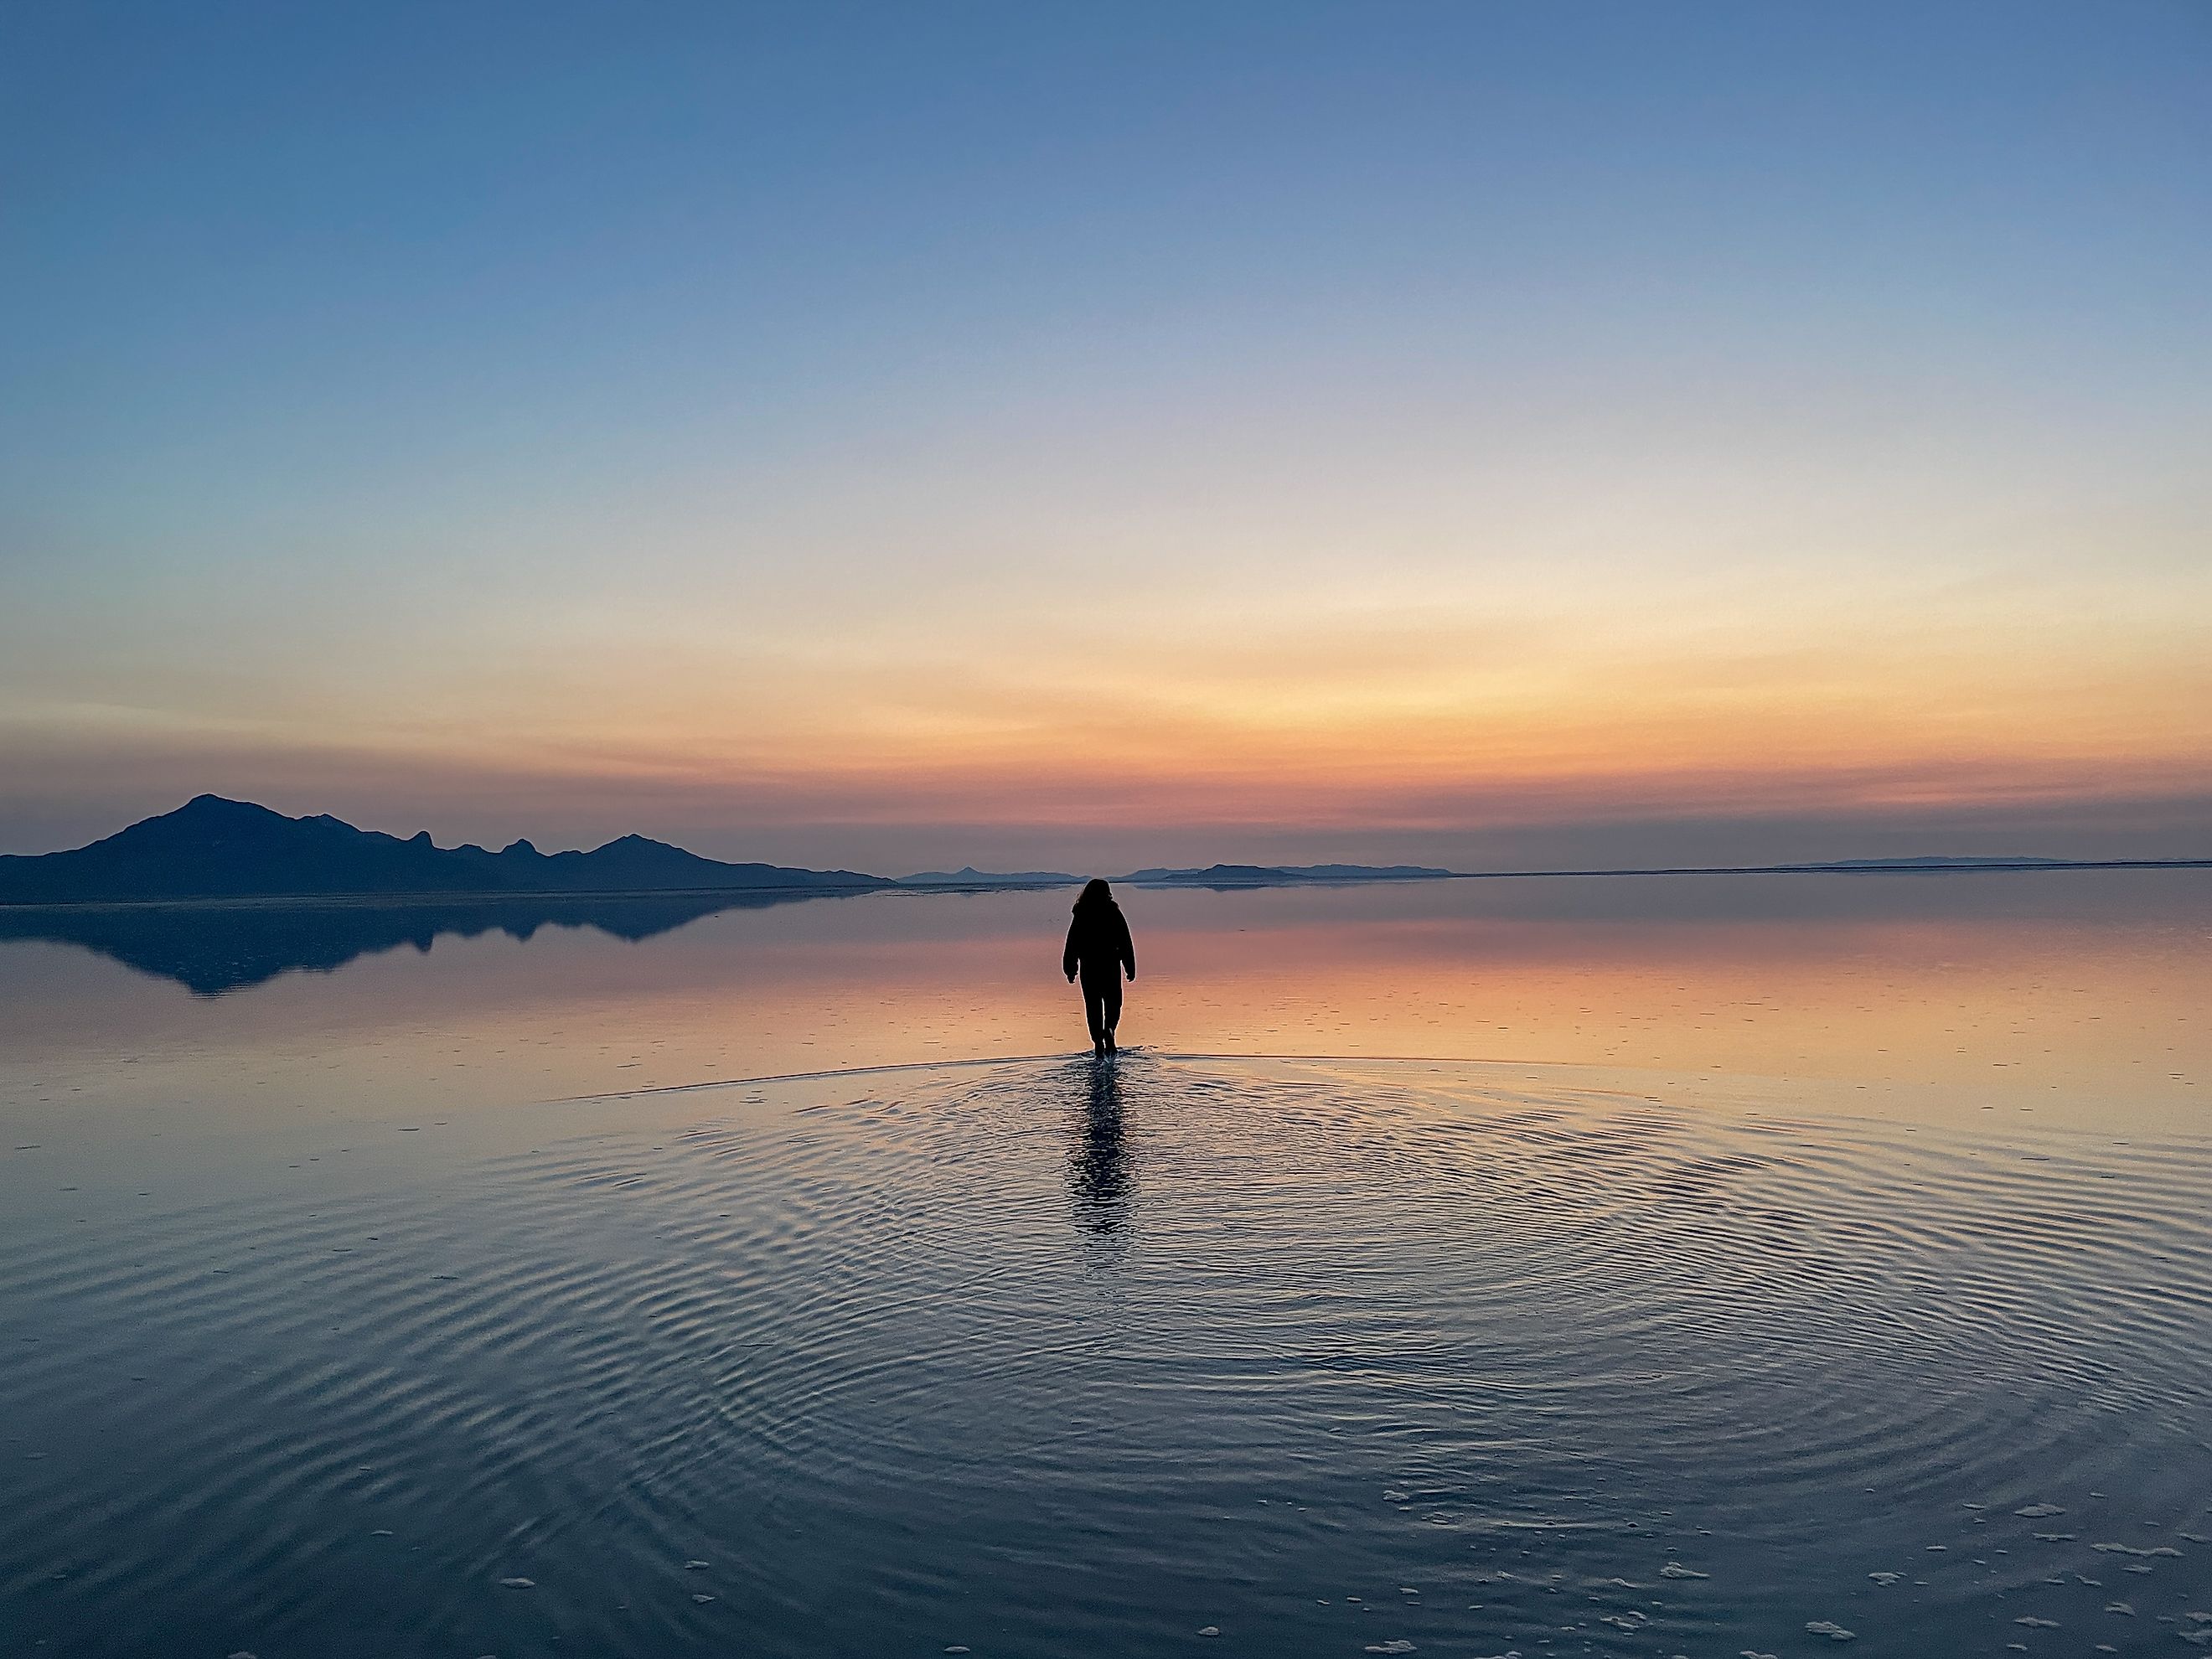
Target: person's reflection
x=1097, y=1161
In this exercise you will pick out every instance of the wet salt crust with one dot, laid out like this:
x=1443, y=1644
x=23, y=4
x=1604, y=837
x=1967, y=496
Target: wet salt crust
x=1052, y=1359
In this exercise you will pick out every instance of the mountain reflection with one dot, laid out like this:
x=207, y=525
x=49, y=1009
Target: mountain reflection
x=1097, y=1158
x=212, y=949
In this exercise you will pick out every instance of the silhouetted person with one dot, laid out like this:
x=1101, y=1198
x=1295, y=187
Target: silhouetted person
x=1098, y=948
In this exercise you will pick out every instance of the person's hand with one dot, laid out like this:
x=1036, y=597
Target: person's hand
x=1133, y=976
x=1070, y=979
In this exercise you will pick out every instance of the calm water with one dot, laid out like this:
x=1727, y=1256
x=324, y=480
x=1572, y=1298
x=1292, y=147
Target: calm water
x=1658, y=1266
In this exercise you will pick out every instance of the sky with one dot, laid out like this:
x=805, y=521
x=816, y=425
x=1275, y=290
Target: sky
x=1502, y=435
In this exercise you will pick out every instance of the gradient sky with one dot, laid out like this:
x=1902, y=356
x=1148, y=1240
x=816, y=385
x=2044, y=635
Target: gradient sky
x=1086, y=436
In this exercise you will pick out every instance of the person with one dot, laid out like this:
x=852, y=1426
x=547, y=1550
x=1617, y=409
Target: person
x=1098, y=948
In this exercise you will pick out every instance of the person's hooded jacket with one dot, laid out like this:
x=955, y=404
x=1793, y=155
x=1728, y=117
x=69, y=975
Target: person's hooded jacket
x=1099, y=939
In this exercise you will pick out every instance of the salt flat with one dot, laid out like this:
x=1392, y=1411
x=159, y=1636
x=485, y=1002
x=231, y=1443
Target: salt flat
x=379, y=1310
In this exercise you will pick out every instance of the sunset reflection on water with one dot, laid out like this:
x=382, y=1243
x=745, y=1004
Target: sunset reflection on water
x=2079, y=995
x=1814, y=1237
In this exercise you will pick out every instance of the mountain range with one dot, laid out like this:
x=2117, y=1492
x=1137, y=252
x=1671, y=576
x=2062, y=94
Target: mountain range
x=1280, y=875
x=1215, y=875
x=212, y=848
x=969, y=876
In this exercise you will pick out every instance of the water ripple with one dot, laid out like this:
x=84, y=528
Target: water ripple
x=1040, y=1358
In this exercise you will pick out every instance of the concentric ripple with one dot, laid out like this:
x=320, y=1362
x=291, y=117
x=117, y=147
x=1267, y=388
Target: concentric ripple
x=1047, y=1359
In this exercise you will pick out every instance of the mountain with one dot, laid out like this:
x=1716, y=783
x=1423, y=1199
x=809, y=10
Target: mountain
x=1365, y=871
x=1285, y=875
x=1939, y=863
x=1956, y=866
x=970, y=876
x=212, y=848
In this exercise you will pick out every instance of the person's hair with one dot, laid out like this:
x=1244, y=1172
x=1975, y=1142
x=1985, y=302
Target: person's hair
x=1095, y=891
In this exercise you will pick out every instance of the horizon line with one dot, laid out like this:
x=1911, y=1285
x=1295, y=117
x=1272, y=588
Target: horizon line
x=1229, y=877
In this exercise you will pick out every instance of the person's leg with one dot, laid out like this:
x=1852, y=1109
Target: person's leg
x=1110, y=1013
x=1094, y=1010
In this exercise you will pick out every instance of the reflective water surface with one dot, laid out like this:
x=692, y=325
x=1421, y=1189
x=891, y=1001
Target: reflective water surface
x=1663, y=1267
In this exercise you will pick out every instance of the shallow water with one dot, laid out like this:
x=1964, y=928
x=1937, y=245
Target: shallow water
x=325, y=1317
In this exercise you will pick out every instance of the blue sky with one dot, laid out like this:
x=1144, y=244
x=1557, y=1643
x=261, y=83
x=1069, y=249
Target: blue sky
x=851, y=431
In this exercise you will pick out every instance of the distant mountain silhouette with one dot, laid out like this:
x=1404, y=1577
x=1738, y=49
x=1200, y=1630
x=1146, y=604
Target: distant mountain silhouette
x=212, y=848
x=970, y=876
x=1930, y=866
x=214, y=948
x=1937, y=862
x=1282, y=875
